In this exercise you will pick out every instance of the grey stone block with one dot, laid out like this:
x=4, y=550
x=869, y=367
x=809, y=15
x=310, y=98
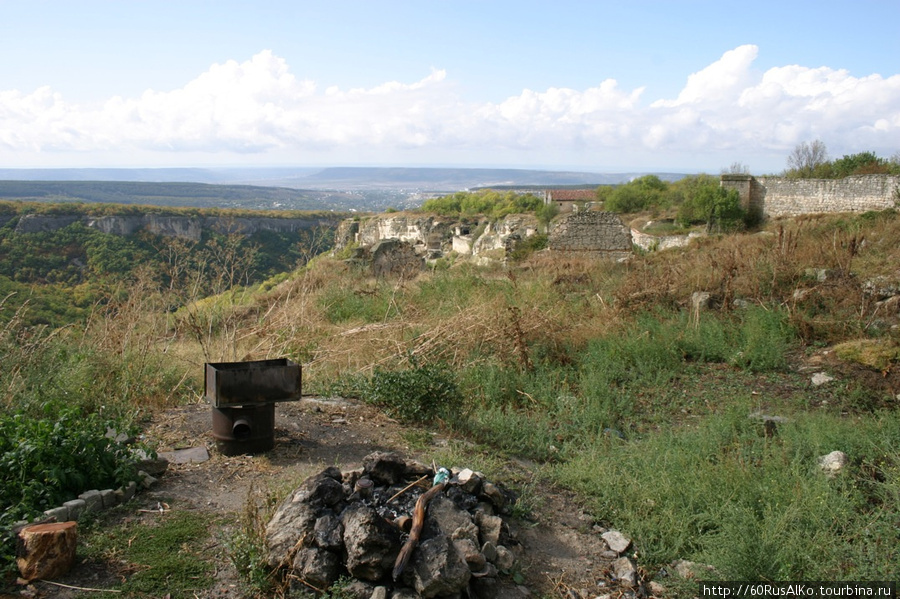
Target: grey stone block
x=76, y=508
x=109, y=498
x=60, y=513
x=93, y=502
x=128, y=491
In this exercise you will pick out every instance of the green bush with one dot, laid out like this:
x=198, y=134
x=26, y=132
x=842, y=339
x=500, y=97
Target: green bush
x=420, y=394
x=766, y=336
x=47, y=461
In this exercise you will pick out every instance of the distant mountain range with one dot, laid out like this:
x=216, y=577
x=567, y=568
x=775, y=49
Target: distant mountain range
x=305, y=188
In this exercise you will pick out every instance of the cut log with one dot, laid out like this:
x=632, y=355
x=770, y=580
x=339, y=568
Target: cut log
x=46, y=550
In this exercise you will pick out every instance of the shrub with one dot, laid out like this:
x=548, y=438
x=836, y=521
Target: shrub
x=766, y=336
x=47, y=461
x=418, y=394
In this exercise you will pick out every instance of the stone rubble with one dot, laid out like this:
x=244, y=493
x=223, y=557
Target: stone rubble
x=333, y=526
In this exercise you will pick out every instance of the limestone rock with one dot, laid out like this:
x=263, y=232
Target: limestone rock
x=616, y=541
x=688, y=569
x=833, y=463
x=625, y=571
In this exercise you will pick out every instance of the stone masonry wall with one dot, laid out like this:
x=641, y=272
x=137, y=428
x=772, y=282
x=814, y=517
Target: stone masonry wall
x=591, y=231
x=779, y=196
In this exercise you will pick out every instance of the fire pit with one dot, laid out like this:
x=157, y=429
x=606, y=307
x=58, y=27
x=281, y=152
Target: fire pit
x=355, y=524
x=243, y=397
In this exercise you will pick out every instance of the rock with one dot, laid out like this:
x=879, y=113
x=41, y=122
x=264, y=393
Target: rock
x=703, y=300
x=820, y=378
x=109, y=498
x=93, y=501
x=625, y=571
x=505, y=559
x=296, y=516
x=315, y=566
x=450, y=520
x=489, y=550
x=122, y=438
x=438, y=569
x=469, y=481
x=395, y=258
x=76, y=508
x=358, y=589
x=616, y=541
x=384, y=468
x=371, y=543
x=154, y=466
x=821, y=275
x=196, y=455
x=687, y=569
x=128, y=492
x=493, y=494
x=833, y=463
x=147, y=480
x=656, y=589
x=489, y=528
x=59, y=514
x=46, y=550
x=379, y=593
x=329, y=532
x=471, y=554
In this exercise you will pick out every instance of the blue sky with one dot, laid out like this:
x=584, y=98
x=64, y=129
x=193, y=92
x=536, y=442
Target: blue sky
x=689, y=86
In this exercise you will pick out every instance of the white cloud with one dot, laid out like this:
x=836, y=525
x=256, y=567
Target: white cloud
x=258, y=107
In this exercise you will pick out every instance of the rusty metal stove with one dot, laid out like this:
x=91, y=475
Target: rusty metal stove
x=243, y=397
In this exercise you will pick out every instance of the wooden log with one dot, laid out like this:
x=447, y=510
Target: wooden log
x=46, y=550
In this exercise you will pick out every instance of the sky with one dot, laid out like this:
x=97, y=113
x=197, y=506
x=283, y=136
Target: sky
x=631, y=85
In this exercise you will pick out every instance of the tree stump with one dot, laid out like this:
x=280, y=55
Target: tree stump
x=46, y=550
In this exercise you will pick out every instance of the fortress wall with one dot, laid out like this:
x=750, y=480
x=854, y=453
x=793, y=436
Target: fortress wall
x=779, y=196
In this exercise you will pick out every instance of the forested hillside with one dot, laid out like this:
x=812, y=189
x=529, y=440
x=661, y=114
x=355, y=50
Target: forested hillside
x=62, y=274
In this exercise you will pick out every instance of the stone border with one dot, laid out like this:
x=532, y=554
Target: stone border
x=93, y=501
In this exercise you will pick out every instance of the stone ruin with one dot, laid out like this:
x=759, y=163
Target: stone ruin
x=351, y=526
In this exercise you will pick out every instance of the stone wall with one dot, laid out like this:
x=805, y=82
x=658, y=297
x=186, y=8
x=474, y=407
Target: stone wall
x=591, y=232
x=779, y=196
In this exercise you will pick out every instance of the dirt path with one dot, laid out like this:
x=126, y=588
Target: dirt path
x=561, y=550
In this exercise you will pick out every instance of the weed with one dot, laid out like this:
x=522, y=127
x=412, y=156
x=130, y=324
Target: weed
x=419, y=394
x=246, y=547
x=162, y=557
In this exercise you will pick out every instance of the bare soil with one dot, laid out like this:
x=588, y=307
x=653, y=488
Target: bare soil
x=561, y=553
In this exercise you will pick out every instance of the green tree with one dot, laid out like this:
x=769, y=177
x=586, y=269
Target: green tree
x=863, y=163
x=640, y=194
x=719, y=208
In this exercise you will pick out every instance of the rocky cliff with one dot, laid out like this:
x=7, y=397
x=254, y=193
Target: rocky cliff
x=185, y=227
x=436, y=236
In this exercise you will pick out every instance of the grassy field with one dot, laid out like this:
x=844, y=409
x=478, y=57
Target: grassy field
x=603, y=374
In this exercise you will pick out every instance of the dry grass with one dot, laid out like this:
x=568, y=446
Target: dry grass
x=469, y=314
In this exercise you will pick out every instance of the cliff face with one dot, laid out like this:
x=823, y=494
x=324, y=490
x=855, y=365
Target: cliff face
x=184, y=227
x=434, y=236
